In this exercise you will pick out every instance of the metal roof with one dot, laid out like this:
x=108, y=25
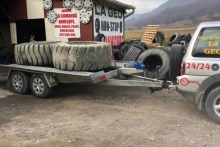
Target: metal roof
x=116, y=3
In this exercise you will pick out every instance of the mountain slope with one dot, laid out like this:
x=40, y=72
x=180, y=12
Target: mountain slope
x=176, y=10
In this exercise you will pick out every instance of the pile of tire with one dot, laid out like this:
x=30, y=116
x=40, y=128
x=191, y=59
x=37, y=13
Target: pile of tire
x=177, y=38
x=125, y=46
x=71, y=56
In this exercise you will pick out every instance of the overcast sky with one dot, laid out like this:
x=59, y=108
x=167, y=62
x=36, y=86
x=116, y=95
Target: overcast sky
x=143, y=6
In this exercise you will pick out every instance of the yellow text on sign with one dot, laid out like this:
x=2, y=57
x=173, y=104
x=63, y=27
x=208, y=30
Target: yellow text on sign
x=212, y=51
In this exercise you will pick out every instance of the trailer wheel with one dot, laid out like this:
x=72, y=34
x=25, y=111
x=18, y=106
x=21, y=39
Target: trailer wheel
x=82, y=56
x=39, y=86
x=212, y=105
x=20, y=82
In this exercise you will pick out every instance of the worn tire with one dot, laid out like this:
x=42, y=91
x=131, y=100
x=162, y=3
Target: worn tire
x=5, y=41
x=166, y=48
x=149, y=58
x=186, y=37
x=122, y=44
x=100, y=38
x=159, y=38
x=210, y=102
x=174, y=39
x=82, y=56
x=36, y=54
x=142, y=44
x=176, y=56
x=124, y=49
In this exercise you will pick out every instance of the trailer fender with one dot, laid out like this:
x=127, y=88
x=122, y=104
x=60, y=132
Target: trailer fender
x=207, y=85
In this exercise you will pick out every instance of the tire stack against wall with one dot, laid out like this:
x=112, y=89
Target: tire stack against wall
x=71, y=56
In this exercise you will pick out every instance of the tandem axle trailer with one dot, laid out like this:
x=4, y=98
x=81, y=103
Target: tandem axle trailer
x=41, y=80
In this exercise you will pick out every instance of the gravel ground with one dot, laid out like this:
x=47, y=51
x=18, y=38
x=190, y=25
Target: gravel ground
x=95, y=116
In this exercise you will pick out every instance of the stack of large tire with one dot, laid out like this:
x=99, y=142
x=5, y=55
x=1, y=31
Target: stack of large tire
x=71, y=56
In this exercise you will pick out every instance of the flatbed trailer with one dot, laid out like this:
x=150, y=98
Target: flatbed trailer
x=40, y=80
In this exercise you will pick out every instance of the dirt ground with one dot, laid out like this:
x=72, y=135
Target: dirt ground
x=88, y=116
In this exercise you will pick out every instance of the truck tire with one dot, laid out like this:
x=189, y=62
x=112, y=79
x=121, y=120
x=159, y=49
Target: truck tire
x=19, y=81
x=36, y=54
x=154, y=57
x=176, y=56
x=174, y=39
x=82, y=56
x=212, y=104
x=39, y=86
x=5, y=41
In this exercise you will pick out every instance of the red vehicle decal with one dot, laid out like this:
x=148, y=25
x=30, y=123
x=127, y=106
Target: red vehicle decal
x=198, y=66
x=185, y=82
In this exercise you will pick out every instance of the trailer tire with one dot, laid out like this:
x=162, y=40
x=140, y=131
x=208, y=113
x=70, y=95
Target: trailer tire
x=82, y=56
x=20, y=82
x=39, y=86
x=36, y=54
x=5, y=41
x=174, y=39
x=153, y=57
x=176, y=55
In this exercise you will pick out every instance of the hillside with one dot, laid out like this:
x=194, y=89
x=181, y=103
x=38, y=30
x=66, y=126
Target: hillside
x=175, y=11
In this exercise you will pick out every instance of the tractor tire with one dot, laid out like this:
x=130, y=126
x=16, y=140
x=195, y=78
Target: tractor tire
x=154, y=57
x=176, y=57
x=174, y=39
x=36, y=54
x=5, y=41
x=82, y=56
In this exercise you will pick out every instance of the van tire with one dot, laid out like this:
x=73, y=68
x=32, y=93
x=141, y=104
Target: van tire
x=160, y=53
x=209, y=104
x=5, y=41
x=82, y=56
x=174, y=39
x=36, y=54
x=176, y=55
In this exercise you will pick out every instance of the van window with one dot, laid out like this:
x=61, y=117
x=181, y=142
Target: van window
x=207, y=43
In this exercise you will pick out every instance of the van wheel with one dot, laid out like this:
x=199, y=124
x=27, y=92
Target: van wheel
x=39, y=86
x=20, y=82
x=212, y=105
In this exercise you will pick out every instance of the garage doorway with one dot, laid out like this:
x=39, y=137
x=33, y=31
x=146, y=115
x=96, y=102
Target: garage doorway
x=28, y=27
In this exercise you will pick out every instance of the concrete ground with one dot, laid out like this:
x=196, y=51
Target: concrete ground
x=88, y=116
